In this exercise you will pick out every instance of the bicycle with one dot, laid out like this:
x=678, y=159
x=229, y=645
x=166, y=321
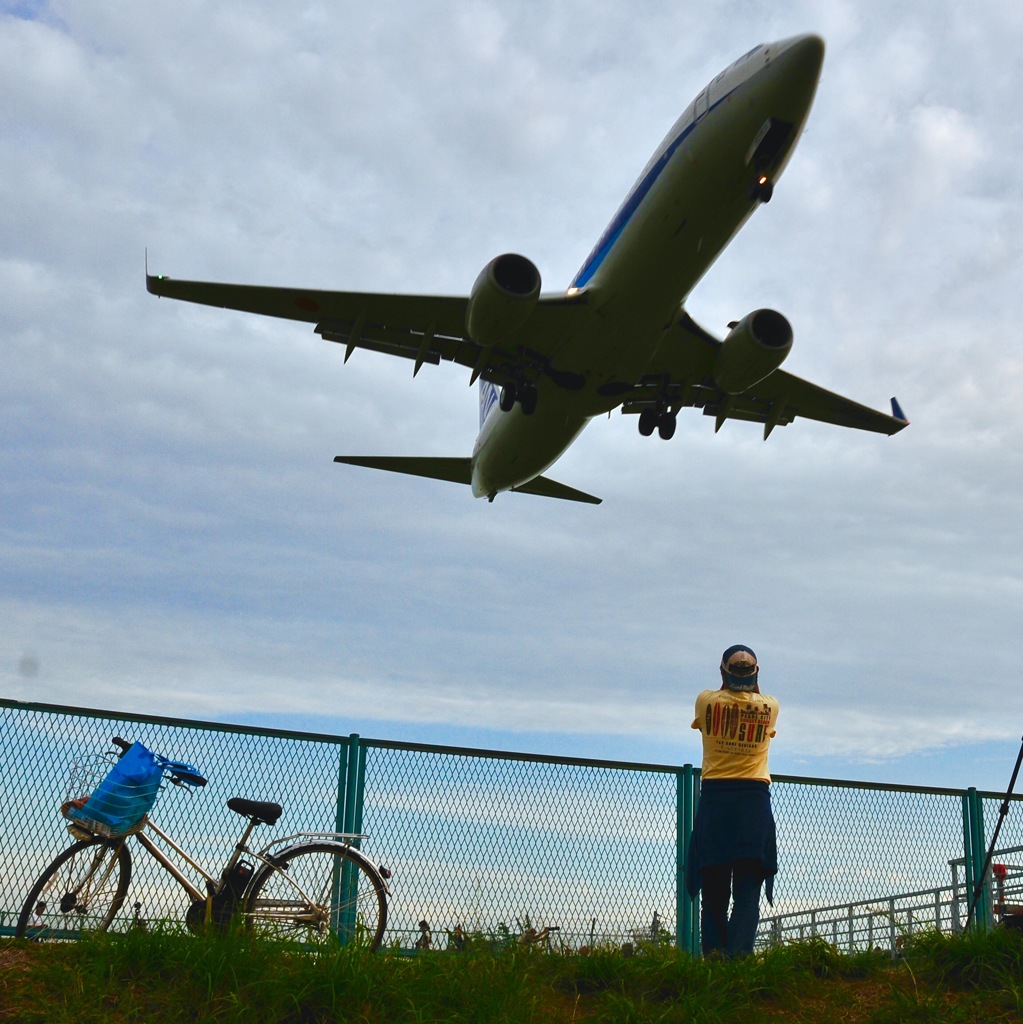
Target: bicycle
x=309, y=887
x=533, y=939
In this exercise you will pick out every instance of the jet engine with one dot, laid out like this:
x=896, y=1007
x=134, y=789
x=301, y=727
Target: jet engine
x=502, y=298
x=755, y=346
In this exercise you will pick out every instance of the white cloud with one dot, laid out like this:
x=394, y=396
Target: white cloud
x=175, y=534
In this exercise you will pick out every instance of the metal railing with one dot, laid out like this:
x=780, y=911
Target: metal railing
x=886, y=923
x=496, y=843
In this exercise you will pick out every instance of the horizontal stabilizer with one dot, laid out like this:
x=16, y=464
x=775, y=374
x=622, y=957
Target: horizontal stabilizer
x=548, y=488
x=459, y=471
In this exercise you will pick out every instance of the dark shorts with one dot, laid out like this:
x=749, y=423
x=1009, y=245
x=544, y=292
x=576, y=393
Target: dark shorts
x=734, y=822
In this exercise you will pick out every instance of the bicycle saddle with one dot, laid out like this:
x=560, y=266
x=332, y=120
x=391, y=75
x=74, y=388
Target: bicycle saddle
x=260, y=811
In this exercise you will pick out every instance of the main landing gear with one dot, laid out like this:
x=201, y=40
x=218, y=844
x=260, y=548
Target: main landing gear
x=518, y=391
x=664, y=421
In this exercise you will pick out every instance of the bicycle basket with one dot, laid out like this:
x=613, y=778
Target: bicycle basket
x=118, y=804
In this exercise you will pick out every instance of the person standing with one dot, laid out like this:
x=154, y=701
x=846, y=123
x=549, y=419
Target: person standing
x=733, y=850
x=37, y=922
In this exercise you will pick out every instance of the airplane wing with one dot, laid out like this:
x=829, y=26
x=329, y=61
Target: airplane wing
x=421, y=328
x=431, y=329
x=683, y=376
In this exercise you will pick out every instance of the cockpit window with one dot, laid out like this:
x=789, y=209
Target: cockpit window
x=744, y=57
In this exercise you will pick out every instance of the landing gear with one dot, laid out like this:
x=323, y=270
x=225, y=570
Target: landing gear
x=762, y=189
x=523, y=393
x=663, y=422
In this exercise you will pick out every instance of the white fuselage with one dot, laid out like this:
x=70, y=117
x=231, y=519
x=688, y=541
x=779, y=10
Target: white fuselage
x=688, y=203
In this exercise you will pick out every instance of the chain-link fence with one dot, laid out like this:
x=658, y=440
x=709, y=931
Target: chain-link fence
x=496, y=844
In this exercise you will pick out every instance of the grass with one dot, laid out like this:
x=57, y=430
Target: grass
x=169, y=978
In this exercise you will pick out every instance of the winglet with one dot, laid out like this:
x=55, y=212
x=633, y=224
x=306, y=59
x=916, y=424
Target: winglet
x=897, y=411
x=152, y=280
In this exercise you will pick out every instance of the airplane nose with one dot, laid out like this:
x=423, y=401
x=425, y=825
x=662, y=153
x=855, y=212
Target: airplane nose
x=802, y=55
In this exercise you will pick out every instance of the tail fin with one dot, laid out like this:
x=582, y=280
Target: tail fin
x=488, y=399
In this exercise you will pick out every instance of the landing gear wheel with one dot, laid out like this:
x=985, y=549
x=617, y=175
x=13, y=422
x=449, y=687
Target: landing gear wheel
x=527, y=399
x=647, y=422
x=509, y=393
x=666, y=424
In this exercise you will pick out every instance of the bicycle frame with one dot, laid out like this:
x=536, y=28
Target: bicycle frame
x=213, y=884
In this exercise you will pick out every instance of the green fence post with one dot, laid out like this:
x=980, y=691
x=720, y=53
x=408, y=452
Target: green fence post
x=687, y=919
x=351, y=783
x=683, y=827
x=346, y=880
x=360, y=793
x=339, y=826
x=975, y=855
x=342, y=787
x=967, y=854
x=982, y=912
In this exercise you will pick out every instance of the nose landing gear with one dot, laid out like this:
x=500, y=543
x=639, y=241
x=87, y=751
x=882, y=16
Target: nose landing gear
x=518, y=391
x=762, y=189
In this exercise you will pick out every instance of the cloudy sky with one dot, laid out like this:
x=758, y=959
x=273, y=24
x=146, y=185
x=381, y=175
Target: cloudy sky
x=175, y=539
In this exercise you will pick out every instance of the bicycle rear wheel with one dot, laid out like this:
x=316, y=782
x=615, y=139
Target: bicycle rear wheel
x=82, y=891
x=316, y=893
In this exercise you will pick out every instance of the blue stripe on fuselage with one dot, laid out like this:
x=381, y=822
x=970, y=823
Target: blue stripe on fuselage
x=621, y=221
x=488, y=398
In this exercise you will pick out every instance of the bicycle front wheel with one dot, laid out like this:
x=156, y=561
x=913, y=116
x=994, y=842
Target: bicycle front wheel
x=316, y=893
x=79, y=892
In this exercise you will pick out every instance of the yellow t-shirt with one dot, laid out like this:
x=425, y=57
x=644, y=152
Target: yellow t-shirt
x=737, y=729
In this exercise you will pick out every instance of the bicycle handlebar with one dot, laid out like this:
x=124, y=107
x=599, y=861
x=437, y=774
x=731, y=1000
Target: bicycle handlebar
x=180, y=774
x=180, y=777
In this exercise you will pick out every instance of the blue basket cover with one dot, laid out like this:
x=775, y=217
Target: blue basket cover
x=127, y=793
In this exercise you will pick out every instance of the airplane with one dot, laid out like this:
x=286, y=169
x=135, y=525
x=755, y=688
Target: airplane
x=619, y=335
